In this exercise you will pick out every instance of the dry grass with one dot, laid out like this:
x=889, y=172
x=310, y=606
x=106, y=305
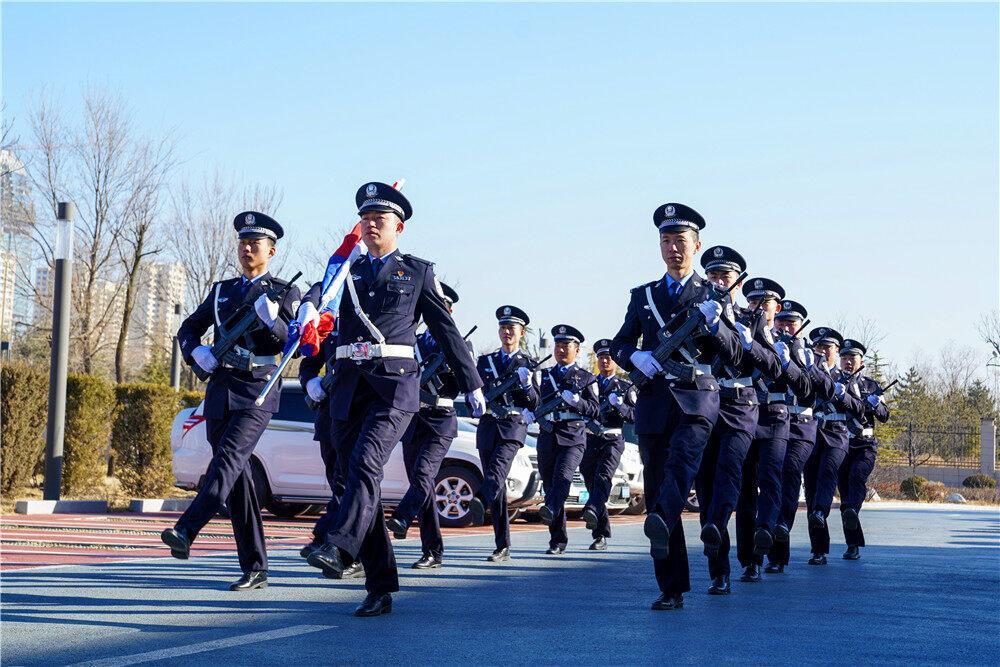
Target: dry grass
x=118, y=501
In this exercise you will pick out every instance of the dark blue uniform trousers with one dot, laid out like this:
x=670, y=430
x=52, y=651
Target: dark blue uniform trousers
x=366, y=440
x=670, y=463
x=556, y=465
x=760, y=494
x=230, y=481
x=496, y=456
x=336, y=474
x=853, y=482
x=423, y=450
x=801, y=442
x=821, y=475
x=598, y=466
x=718, y=485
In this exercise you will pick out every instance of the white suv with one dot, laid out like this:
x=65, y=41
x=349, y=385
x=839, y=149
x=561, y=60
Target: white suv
x=288, y=473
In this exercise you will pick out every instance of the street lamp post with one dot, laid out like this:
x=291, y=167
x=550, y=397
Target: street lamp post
x=56, y=427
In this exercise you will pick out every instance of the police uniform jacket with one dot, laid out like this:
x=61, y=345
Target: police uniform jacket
x=863, y=387
x=508, y=423
x=309, y=368
x=610, y=416
x=442, y=420
x=692, y=398
x=835, y=430
x=569, y=432
x=229, y=388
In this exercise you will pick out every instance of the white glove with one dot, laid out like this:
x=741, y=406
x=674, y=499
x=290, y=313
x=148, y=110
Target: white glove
x=712, y=310
x=315, y=389
x=746, y=336
x=615, y=400
x=267, y=310
x=806, y=357
x=477, y=402
x=307, y=314
x=524, y=375
x=784, y=354
x=570, y=397
x=839, y=390
x=529, y=416
x=646, y=363
x=204, y=358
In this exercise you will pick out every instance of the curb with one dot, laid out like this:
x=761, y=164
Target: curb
x=61, y=507
x=150, y=505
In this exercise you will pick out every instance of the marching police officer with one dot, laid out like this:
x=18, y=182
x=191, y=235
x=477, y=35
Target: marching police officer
x=425, y=444
x=605, y=443
x=376, y=384
x=801, y=436
x=835, y=404
x=234, y=422
x=562, y=436
x=674, y=414
x=335, y=467
x=502, y=430
x=862, y=446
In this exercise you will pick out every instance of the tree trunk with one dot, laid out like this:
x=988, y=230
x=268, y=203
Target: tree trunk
x=130, y=289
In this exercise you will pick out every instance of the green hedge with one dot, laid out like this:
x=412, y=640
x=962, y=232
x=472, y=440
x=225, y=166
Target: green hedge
x=141, y=438
x=24, y=398
x=979, y=482
x=90, y=412
x=191, y=399
x=912, y=486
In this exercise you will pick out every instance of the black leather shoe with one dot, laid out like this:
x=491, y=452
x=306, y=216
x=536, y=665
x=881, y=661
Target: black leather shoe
x=762, y=542
x=781, y=533
x=327, y=558
x=600, y=544
x=751, y=574
x=852, y=553
x=720, y=585
x=668, y=602
x=308, y=549
x=397, y=528
x=817, y=521
x=427, y=562
x=353, y=571
x=850, y=518
x=557, y=550
x=547, y=515
x=375, y=604
x=589, y=517
x=499, y=556
x=817, y=559
x=774, y=568
x=178, y=541
x=712, y=539
x=656, y=530
x=477, y=511
x=250, y=581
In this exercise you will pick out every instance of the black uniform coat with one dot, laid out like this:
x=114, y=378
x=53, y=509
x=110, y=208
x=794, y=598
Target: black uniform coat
x=570, y=432
x=507, y=426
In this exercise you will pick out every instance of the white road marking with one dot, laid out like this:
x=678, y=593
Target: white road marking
x=214, y=645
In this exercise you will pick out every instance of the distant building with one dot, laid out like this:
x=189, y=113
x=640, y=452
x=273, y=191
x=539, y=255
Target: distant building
x=154, y=323
x=17, y=222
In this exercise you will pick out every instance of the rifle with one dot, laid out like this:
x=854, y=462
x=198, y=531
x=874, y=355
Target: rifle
x=326, y=384
x=509, y=380
x=554, y=403
x=235, y=326
x=672, y=341
x=429, y=373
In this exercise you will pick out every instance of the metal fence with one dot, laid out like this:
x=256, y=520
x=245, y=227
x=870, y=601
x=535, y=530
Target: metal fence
x=913, y=446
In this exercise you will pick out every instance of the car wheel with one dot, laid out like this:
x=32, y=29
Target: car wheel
x=262, y=489
x=692, y=502
x=455, y=488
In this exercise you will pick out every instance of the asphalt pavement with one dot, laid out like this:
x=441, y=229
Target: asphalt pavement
x=927, y=590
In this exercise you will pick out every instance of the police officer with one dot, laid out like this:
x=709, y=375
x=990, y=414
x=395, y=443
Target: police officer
x=334, y=467
x=719, y=476
x=674, y=415
x=605, y=443
x=801, y=436
x=233, y=421
x=502, y=430
x=425, y=444
x=862, y=446
x=835, y=404
x=562, y=436
x=376, y=384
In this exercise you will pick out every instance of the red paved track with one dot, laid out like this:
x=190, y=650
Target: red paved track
x=90, y=539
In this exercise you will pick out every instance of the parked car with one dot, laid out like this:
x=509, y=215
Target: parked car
x=289, y=477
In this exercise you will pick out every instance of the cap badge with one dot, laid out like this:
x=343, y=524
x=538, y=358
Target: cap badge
x=506, y=310
x=249, y=219
x=718, y=252
x=371, y=190
x=787, y=304
x=822, y=332
x=562, y=330
x=671, y=211
x=758, y=284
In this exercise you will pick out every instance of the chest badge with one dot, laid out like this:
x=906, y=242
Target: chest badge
x=401, y=276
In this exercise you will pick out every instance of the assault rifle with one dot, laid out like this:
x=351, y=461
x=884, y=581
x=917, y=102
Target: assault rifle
x=554, y=403
x=236, y=325
x=508, y=382
x=430, y=383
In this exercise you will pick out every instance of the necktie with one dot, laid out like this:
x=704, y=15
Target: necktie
x=675, y=289
x=377, y=266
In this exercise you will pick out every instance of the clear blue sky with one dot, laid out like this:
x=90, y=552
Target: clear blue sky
x=848, y=151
